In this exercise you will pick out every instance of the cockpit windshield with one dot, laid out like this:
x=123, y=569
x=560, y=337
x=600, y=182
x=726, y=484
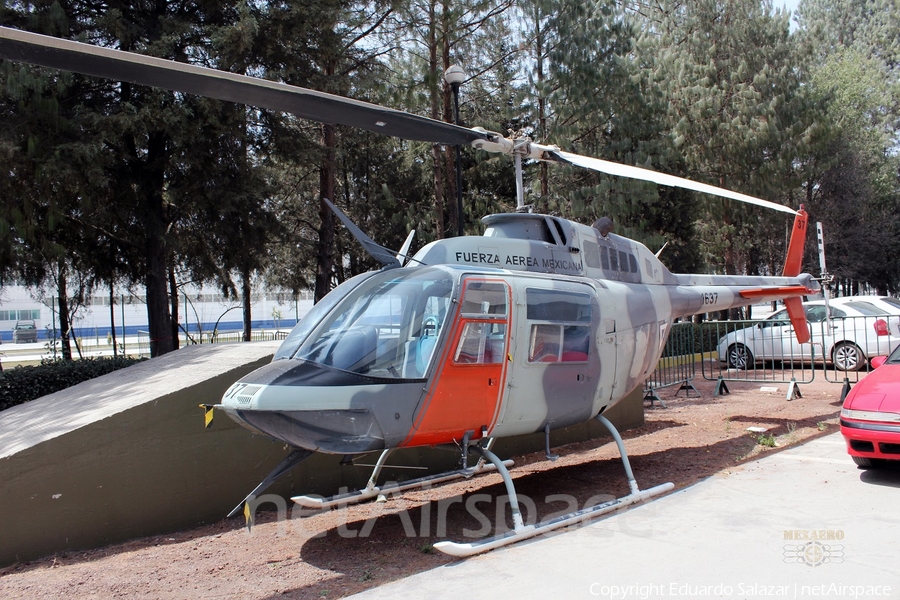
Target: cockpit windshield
x=387, y=326
x=302, y=330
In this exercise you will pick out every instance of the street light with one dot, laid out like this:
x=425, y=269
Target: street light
x=455, y=75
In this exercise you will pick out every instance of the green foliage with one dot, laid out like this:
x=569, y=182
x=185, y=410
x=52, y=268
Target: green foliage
x=766, y=440
x=21, y=384
x=852, y=182
x=728, y=74
x=119, y=183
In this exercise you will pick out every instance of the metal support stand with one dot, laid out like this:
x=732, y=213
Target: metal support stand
x=550, y=456
x=721, y=388
x=793, y=391
x=846, y=389
x=652, y=397
x=522, y=531
x=687, y=386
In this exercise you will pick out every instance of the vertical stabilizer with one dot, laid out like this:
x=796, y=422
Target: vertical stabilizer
x=793, y=262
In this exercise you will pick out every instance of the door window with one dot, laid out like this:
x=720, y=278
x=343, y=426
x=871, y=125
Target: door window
x=485, y=307
x=563, y=331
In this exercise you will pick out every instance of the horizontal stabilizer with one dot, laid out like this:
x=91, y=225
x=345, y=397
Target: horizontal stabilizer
x=775, y=292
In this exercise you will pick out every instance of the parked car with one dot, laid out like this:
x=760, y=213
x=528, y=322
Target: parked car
x=886, y=303
x=856, y=331
x=870, y=417
x=25, y=331
x=891, y=306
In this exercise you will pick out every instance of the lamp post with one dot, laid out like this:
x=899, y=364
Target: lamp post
x=455, y=75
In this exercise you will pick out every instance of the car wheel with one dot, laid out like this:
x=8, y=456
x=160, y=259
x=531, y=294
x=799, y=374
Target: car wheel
x=739, y=356
x=866, y=463
x=847, y=356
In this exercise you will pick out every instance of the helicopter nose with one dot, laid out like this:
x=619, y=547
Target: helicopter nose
x=332, y=431
x=287, y=413
x=321, y=409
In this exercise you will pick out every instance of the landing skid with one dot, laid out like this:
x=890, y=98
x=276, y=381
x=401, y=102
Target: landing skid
x=372, y=490
x=521, y=531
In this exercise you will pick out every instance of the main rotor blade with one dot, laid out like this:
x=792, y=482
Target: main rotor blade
x=57, y=53
x=620, y=170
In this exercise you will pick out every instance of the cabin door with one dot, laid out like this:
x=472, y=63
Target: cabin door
x=468, y=386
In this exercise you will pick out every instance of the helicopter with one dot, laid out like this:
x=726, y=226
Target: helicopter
x=538, y=324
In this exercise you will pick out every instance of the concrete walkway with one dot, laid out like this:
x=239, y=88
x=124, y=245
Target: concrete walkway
x=801, y=523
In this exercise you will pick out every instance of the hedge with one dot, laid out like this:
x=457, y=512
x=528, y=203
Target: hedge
x=21, y=384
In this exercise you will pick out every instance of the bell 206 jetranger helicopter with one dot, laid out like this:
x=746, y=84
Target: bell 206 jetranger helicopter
x=538, y=324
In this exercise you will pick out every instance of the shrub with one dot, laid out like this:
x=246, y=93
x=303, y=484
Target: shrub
x=21, y=384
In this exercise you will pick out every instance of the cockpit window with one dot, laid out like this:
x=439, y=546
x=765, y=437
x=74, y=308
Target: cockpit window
x=387, y=326
x=484, y=310
x=303, y=328
x=485, y=298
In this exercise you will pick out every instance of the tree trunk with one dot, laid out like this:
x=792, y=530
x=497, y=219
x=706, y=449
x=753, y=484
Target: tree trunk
x=153, y=178
x=63, y=304
x=247, y=298
x=435, y=93
x=173, y=300
x=448, y=167
x=325, y=248
x=112, y=319
x=542, y=100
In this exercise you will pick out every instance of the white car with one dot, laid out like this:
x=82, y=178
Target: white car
x=856, y=331
x=886, y=303
x=889, y=305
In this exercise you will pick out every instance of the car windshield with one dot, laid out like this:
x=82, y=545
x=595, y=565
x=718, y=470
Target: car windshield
x=387, y=326
x=894, y=358
x=893, y=301
x=776, y=320
x=866, y=308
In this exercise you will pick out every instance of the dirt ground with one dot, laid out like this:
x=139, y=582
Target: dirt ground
x=340, y=552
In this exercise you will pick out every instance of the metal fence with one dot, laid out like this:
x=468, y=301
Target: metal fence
x=230, y=337
x=841, y=348
x=755, y=351
x=143, y=343
x=849, y=344
x=678, y=364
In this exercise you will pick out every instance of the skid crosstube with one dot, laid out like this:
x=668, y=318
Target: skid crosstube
x=521, y=531
x=371, y=490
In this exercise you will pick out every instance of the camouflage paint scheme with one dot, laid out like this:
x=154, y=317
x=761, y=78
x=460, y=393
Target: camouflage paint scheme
x=632, y=300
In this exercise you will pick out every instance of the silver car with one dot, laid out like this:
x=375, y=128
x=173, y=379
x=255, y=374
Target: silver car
x=855, y=332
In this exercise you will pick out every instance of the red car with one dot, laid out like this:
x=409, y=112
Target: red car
x=870, y=417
